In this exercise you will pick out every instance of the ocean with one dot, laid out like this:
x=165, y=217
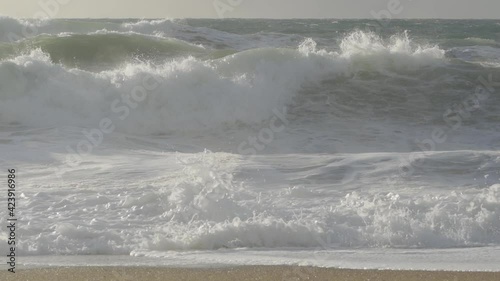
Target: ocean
x=344, y=143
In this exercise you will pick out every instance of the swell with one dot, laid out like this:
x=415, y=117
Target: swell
x=107, y=50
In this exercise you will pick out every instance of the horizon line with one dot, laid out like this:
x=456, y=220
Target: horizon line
x=251, y=18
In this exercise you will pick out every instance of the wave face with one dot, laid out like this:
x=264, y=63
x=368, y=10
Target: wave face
x=144, y=136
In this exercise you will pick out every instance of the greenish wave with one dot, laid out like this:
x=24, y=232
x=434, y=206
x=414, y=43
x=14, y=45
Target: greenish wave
x=111, y=49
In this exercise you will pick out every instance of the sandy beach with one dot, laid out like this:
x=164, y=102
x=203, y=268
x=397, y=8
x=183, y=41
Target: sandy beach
x=264, y=273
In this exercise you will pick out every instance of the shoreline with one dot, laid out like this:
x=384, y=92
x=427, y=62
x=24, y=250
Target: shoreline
x=240, y=273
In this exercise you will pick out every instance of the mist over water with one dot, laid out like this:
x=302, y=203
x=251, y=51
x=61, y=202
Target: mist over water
x=267, y=134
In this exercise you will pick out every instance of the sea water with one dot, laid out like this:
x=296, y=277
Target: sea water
x=313, y=142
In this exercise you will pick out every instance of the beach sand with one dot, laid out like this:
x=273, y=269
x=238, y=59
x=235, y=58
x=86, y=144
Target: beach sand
x=271, y=273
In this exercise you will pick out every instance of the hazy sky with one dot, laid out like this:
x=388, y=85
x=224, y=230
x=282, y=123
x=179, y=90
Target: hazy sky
x=252, y=8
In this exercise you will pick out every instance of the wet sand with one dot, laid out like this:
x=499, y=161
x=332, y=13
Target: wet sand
x=267, y=273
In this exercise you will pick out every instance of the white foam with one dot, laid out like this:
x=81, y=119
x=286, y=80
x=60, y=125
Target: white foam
x=197, y=203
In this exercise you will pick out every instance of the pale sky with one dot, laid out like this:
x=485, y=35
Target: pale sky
x=251, y=8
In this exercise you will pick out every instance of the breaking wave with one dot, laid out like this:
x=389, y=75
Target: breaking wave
x=188, y=92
